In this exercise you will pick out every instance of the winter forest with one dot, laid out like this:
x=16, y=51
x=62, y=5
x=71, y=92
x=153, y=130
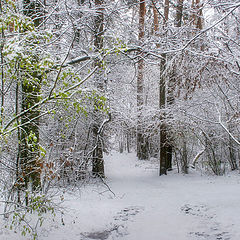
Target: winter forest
x=119, y=119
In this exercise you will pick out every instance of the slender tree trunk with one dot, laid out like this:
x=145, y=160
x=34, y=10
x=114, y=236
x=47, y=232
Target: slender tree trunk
x=232, y=153
x=128, y=142
x=2, y=70
x=18, y=166
x=142, y=143
x=179, y=13
x=184, y=157
x=199, y=23
x=75, y=27
x=164, y=155
x=98, y=161
x=155, y=19
x=197, y=14
x=163, y=128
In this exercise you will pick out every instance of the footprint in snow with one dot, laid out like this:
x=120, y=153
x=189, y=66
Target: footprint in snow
x=118, y=229
x=213, y=228
x=196, y=210
x=127, y=213
x=99, y=235
x=211, y=236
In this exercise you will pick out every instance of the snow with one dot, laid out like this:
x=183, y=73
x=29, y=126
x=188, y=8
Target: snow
x=144, y=206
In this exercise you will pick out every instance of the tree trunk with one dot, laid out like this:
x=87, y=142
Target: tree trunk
x=165, y=151
x=199, y=23
x=155, y=19
x=98, y=162
x=2, y=70
x=232, y=153
x=184, y=157
x=163, y=128
x=29, y=135
x=142, y=143
x=166, y=148
x=29, y=146
x=128, y=141
x=179, y=13
x=2, y=73
x=171, y=81
x=197, y=16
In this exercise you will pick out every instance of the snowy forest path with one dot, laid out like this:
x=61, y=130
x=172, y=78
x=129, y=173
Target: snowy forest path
x=145, y=206
x=163, y=201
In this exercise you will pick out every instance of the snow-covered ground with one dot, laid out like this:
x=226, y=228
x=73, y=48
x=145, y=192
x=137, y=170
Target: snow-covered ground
x=144, y=206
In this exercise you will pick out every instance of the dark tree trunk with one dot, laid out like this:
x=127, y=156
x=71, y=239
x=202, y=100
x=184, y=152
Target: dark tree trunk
x=232, y=154
x=169, y=156
x=197, y=16
x=199, y=23
x=29, y=134
x=171, y=82
x=2, y=70
x=163, y=128
x=98, y=161
x=29, y=147
x=184, y=158
x=164, y=149
x=179, y=13
x=142, y=143
x=128, y=142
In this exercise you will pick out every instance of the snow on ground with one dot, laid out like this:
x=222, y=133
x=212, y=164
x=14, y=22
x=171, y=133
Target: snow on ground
x=144, y=206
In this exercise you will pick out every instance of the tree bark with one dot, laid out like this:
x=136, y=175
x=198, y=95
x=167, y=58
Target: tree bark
x=179, y=13
x=199, y=23
x=184, y=157
x=2, y=70
x=29, y=135
x=29, y=146
x=163, y=128
x=98, y=161
x=197, y=16
x=142, y=143
x=171, y=82
x=164, y=154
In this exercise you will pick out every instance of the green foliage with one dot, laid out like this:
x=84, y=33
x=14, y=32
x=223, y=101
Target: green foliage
x=82, y=103
x=117, y=46
x=32, y=141
x=22, y=51
x=29, y=64
x=25, y=53
x=39, y=208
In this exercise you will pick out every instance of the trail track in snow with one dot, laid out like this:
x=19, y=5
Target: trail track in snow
x=170, y=207
x=148, y=207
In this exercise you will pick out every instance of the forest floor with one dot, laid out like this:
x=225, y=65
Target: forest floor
x=143, y=206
